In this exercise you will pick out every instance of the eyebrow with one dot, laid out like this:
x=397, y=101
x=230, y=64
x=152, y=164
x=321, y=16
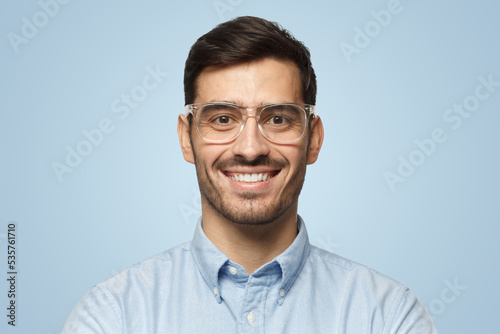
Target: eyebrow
x=226, y=101
x=239, y=103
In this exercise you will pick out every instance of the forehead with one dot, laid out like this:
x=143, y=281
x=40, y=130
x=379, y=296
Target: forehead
x=258, y=82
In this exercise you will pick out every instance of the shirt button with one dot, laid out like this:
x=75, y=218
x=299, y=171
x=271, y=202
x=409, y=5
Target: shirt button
x=216, y=291
x=250, y=317
x=282, y=293
x=233, y=270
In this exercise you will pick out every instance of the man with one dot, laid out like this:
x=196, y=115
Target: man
x=250, y=128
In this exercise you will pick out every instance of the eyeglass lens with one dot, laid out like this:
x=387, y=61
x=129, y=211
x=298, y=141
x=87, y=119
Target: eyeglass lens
x=280, y=122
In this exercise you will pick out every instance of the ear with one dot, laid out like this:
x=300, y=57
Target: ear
x=315, y=140
x=184, y=138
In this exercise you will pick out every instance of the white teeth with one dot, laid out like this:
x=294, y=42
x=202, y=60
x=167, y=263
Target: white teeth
x=250, y=178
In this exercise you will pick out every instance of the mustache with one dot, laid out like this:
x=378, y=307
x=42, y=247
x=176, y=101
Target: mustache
x=259, y=161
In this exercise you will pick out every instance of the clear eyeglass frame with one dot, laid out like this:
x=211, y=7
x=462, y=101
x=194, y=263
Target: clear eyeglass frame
x=309, y=111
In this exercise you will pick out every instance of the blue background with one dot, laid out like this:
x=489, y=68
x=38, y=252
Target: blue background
x=134, y=195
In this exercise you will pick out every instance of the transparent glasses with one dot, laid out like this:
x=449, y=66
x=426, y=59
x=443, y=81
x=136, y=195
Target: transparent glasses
x=221, y=122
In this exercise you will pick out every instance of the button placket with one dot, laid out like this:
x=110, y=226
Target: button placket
x=256, y=293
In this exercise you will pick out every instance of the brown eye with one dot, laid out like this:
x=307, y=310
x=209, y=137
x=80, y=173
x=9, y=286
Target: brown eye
x=276, y=120
x=223, y=119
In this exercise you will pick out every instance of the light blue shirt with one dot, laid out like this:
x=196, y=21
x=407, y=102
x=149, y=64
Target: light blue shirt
x=195, y=288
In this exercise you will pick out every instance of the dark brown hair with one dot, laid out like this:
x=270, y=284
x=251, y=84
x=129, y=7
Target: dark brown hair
x=246, y=39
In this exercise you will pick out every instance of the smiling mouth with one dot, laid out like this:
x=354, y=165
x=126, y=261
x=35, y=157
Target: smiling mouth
x=251, y=178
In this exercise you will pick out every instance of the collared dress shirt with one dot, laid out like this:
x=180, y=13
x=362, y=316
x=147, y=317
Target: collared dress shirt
x=195, y=288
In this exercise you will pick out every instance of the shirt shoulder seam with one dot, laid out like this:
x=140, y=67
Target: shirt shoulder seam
x=162, y=256
x=334, y=258
x=112, y=302
x=350, y=265
x=398, y=303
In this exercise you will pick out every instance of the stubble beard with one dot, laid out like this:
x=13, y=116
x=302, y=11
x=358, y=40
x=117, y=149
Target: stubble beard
x=249, y=209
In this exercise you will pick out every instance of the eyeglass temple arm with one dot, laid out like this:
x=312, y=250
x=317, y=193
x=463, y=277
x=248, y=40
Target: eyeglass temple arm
x=188, y=109
x=312, y=110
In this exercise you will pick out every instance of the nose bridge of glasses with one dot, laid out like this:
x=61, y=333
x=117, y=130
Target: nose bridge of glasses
x=256, y=128
x=250, y=112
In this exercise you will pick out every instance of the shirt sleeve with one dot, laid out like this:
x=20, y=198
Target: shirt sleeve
x=96, y=312
x=410, y=317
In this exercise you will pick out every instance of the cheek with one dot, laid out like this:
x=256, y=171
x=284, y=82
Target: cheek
x=295, y=155
x=208, y=155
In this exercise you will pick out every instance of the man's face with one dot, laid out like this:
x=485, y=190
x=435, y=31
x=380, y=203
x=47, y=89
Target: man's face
x=218, y=166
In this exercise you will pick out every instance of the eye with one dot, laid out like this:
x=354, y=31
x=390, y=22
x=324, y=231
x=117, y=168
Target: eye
x=219, y=116
x=276, y=120
x=280, y=116
x=222, y=119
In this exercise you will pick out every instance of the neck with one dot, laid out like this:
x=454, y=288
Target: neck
x=251, y=246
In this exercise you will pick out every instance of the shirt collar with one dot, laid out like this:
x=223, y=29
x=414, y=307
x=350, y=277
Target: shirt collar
x=292, y=260
x=210, y=259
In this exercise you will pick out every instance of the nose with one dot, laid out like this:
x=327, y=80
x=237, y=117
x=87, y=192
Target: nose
x=251, y=144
